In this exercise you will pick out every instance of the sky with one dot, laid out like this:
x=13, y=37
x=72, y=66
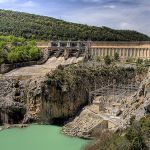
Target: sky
x=117, y=14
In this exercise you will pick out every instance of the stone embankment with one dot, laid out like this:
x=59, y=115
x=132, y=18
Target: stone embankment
x=82, y=125
x=91, y=120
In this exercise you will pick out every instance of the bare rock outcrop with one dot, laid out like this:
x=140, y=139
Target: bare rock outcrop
x=139, y=104
x=12, y=99
x=24, y=100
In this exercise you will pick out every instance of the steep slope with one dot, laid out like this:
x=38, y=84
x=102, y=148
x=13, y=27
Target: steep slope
x=46, y=28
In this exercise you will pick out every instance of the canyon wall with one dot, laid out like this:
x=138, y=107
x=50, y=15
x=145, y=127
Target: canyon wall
x=56, y=97
x=139, y=105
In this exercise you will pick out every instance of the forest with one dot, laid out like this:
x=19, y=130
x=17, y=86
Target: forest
x=37, y=27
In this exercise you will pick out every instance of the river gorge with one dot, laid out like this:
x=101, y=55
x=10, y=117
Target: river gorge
x=60, y=97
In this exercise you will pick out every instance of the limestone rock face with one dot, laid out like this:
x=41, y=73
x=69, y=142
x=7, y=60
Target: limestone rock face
x=24, y=100
x=28, y=99
x=139, y=105
x=12, y=99
x=147, y=95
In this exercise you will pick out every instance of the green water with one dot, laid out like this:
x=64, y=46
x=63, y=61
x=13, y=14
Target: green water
x=38, y=137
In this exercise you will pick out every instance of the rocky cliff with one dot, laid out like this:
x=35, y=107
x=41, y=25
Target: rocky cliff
x=56, y=97
x=139, y=105
x=32, y=100
x=12, y=99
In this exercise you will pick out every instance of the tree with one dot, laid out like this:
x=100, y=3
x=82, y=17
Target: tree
x=107, y=60
x=34, y=53
x=116, y=57
x=147, y=62
x=139, y=61
x=23, y=52
x=3, y=52
x=98, y=58
x=135, y=136
x=46, y=28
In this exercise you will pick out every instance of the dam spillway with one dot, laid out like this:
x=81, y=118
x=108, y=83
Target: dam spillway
x=40, y=70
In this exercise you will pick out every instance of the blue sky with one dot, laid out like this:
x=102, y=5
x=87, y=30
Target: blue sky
x=118, y=14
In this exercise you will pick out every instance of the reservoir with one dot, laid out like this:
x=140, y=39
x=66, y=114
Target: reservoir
x=38, y=137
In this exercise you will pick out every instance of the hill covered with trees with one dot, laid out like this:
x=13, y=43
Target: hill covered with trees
x=38, y=27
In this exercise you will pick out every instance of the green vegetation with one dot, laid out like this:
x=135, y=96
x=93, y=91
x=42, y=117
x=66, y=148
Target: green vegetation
x=130, y=60
x=135, y=137
x=89, y=72
x=139, y=61
x=107, y=60
x=147, y=62
x=3, y=53
x=13, y=50
x=116, y=57
x=46, y=28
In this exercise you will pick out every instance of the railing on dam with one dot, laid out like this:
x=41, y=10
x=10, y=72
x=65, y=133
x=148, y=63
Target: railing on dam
x=68, y=44
x=64, y=44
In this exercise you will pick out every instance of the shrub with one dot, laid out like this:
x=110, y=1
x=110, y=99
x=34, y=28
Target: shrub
x=116, y=57
x=133, y=138
x=107, y=60
x=3, y=52
x=147, y=62
x=139, y=61
x=23, y=53
x=129, y=60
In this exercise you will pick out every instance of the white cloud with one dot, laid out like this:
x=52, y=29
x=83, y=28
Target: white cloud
x=134, y=18
x=17, y=3
x=7, y=1
x=110, y=6
x=28, y=4
x=91, y=0
x=125, y=25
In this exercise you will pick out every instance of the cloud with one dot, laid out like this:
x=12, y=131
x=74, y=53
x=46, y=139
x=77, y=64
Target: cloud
x=7, y=1
x=114, y=15
x=125, y=25
x=110, y=6
x=28, y=4
x=92, y=1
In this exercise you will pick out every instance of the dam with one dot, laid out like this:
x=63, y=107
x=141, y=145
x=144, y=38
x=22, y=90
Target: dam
x=137, y=49
x=55, y=53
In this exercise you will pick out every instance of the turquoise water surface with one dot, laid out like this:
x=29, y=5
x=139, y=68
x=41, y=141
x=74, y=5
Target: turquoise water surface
x=38, y=137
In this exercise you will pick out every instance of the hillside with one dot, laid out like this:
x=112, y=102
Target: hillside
x=47, y=28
